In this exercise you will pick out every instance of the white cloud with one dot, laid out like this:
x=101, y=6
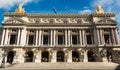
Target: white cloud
x=86, y=11
x=7, y=4
x=110, y=6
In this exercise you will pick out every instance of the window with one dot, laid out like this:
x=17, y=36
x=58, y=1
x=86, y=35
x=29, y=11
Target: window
x=45, y=39
x=60, y=39
x=31, y=40
x=13, y=39
x=74, y=39
x=106, y=39
x=89, y=39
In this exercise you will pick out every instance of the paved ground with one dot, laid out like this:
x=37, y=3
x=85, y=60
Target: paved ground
x=64, y=66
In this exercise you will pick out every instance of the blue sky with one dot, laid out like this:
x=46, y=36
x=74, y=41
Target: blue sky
x=61, y=6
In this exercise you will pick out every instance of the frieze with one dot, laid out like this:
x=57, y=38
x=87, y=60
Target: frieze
x=14, y=20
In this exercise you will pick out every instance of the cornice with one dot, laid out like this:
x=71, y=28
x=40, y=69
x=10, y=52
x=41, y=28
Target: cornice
x=59, y=15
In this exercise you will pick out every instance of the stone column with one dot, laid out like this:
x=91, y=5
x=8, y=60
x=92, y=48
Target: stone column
x=80, y=38
x=36, y=40
x=98, y=35
x=65, y=37
x=54, y=37
x=51, y=37
x=101, y=37
x=95, y=36
x=85, y=56
x=113, y=37
x=6, y=37
x=23, y=37
x=18, y=37
x=3, y=35
x=69, y=40
x=83, y=37
x=117, y=37
x=39, y=37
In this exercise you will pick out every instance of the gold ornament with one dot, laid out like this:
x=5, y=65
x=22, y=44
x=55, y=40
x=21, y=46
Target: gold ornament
x=20, y=10
x=99, y=10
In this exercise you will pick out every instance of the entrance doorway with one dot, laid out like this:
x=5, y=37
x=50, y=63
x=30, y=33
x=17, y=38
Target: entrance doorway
x=60, y=56
x=10, y=57
x=75, y=56
x=45, y=56
x=29, y=56
x=91, y=56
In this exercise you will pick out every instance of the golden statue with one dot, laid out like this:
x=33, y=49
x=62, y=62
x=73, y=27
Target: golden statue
x=99, y=10
x=20, y=10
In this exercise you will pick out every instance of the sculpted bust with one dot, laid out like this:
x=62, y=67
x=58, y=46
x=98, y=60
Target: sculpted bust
x=99, y=10
x=20, y=10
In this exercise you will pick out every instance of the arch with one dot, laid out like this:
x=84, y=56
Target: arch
x=29, y=56
x=10, y=57
x=60, y=56
x=45, y=56
x=109, y=55
x=91, y=56
x=75, y=56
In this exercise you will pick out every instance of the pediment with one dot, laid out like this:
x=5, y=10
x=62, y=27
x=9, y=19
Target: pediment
x=14, y=20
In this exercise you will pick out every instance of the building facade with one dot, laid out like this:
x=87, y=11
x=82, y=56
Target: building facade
x=58, y=37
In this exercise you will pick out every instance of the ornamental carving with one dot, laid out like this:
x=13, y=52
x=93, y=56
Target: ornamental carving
x=106, y=21
x=14, y=20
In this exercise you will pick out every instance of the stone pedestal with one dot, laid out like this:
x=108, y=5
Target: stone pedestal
x=53, y=57
x=85, y=56
x=69, y=56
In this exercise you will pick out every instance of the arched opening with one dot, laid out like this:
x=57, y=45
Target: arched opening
x=45, y=56
x=60, y=56
x=10, y=57
x=109, y=56
x=91, y=56
x=29, y=56
x=75, y=56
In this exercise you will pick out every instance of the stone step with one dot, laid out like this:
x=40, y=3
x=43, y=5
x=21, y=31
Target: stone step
x=64, y=66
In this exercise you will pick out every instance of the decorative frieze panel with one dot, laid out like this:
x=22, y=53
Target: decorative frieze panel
x=105, y=20
x=14, y=20
x=59, y=20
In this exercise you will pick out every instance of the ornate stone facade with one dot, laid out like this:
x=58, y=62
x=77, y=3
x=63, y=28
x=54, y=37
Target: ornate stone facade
x=59, y=38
